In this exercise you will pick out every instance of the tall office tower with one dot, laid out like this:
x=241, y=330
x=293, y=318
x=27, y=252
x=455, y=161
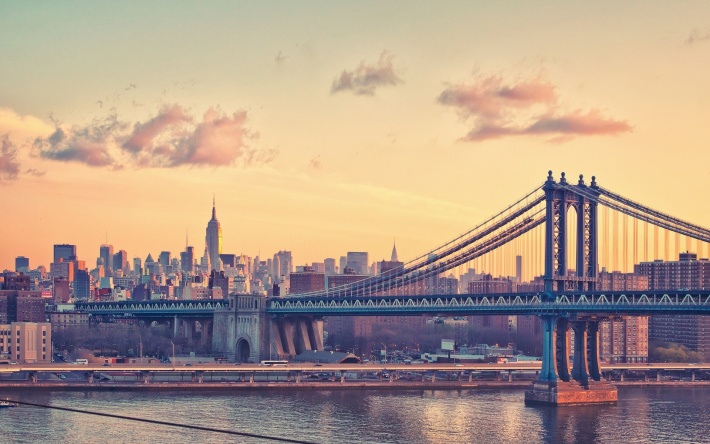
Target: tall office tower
x=187, y=259
x=283, y=263
x=343, y=264
x=120, y=261
x=82, y=285
x=22, y=264
x=164, y=259
x=137, y=267
x=329, y=265
x=358, y=261
x=65, y=252
x=214, y=239
x=106, y=255
x=205, y=262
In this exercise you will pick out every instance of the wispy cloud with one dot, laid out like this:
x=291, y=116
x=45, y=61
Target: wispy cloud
x=9, y=166
x=500, y=109
x=172, y=137
x=697, y=36
x=366, y=78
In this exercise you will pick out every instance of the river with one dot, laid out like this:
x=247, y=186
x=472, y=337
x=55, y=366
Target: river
x=642, y=415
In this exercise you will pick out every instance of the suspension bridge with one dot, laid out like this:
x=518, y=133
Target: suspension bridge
x=564, y=232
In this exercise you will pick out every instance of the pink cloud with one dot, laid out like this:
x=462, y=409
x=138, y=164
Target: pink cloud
x=500, y=109
x=562, y=128
x=142, y=138
x=171, y=138
x=217, y=140
x=489, y=97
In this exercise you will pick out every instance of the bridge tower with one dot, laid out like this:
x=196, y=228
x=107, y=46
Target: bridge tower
x=560, y=198
x=558, y=383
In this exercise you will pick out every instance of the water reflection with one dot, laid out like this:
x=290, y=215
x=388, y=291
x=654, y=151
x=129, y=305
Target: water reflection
x=656, y=415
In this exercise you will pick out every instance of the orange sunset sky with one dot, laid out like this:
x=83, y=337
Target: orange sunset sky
x=327, y=127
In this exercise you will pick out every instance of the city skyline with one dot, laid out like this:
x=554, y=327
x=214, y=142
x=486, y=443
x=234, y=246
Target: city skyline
x=126, y=126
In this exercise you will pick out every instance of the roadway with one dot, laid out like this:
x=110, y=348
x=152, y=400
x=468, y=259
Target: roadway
x=310, y=367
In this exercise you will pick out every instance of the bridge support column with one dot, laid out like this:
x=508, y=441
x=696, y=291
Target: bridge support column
x=200, y=376
x=692, y=376
x=549, y=368
x=251, y=378
x=562, y=349
x=510, y=376
x=304, y=341
x=206, y=336
x=658, y=376
x=593, y=350
x=580, y=371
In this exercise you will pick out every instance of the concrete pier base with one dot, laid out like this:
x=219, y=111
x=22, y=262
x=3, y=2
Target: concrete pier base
x=570, y=393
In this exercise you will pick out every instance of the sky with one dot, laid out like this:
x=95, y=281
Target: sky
x=327, y=127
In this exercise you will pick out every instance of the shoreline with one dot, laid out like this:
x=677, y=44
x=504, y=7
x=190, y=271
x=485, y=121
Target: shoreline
x=324, y=385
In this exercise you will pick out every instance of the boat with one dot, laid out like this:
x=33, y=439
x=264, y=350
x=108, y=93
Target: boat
x=6, y=404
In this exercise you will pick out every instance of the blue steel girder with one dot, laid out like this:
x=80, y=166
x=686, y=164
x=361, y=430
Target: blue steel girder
x=564, y=304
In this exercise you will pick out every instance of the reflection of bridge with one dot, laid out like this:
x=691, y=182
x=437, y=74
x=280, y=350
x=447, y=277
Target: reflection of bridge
x=576, y=240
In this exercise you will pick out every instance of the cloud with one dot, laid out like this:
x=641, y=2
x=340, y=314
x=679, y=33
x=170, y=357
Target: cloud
x=315, y=163
x=9, y=166
x=501, y=109
x=366, y=78
x=562, y=128
x=170, y=138
x=697, y=36
x=89, y=144
x=489, y=97
x=21, y=128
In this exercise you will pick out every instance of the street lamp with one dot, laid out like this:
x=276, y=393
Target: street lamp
x=173, y=361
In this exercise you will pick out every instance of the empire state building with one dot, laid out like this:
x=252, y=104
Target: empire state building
x=213, y=239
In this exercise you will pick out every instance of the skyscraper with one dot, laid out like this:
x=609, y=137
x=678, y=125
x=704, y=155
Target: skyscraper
x=22, y=264
x=106, y=255
x=213, y=239
x=65, y=252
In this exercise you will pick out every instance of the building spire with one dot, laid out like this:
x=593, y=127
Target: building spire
x=394, y=251
x=214, y=208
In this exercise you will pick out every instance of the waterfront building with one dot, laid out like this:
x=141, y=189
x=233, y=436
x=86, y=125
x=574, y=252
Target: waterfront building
x=27, y=342
x=687, y=273
x=62, y=320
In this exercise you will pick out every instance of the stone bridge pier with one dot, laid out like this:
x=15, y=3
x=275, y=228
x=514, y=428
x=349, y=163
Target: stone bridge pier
x=560, y=383
x=292, y=336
